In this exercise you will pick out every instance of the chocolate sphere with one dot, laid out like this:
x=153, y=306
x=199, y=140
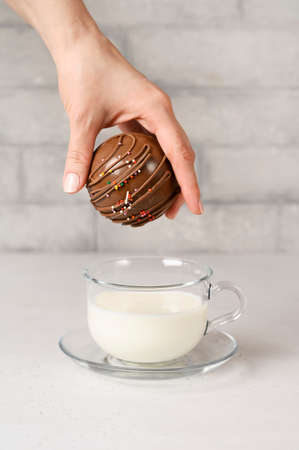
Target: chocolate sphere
x=131, y=181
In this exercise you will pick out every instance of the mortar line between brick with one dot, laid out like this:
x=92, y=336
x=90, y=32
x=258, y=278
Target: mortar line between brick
x=197, y=144
x=204, y=147
x=174, y=89
x=241, y=23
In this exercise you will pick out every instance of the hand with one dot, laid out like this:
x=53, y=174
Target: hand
x=100, y=89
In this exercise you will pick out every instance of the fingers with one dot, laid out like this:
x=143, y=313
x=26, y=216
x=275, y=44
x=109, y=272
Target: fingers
x=78, y=159
x=174, y=209
x=174, y=142
x=135, y=126
x=132, y=126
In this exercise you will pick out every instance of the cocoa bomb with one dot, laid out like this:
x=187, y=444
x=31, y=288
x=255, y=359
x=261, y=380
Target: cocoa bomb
x=131, y=181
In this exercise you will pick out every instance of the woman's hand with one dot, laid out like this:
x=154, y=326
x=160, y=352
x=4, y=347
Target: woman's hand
x=99, y=89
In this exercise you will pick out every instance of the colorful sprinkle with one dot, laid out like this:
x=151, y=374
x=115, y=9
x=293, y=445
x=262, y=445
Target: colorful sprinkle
x=102, y=174
x=110, y=171
x=116, y=187
x=150, y=190
x=108, y=182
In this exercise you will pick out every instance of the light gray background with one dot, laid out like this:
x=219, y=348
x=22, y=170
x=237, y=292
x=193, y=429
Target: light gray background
x=232, y=70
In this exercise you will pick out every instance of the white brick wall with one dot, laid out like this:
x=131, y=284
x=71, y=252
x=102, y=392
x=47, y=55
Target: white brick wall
x=238, y=117
x=232, y=57
x=43, y=171
x=46, y=228
x=10, y=175
x=289, y=221
x=232, y=70
x=225, y=228
x=283, y=13
x=131, y=12
x=34, y=116
x=250, y=175
x=17, y=46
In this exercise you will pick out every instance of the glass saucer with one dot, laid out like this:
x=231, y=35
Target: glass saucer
x=214, y=349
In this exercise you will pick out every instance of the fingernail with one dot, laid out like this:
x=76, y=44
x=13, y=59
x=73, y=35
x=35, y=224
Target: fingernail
x=170, y=216
x=200, y=207
x=71, y=183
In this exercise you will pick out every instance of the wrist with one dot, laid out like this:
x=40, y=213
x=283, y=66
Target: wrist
x=65, y=27
x=63, y=39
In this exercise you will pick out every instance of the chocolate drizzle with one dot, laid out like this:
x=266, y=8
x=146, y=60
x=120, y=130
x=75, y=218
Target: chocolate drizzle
x=131, y=181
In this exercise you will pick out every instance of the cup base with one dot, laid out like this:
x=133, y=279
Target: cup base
x=214, y=349
x=112, y=360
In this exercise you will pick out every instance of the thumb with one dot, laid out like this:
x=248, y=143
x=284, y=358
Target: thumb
x=78, y=159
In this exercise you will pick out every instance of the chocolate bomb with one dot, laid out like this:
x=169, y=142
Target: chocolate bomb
x=131, y=181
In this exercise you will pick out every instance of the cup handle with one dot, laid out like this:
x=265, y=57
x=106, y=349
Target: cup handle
x=230, y=316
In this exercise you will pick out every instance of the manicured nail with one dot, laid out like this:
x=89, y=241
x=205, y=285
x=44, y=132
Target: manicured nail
x=170, y=216
x=200, y=207
x=71, y=183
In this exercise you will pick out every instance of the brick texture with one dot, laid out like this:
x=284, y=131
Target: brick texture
x=34, y=116
x=249, y=175
x=46, y=228
x=272, y=12
x=289, y=228
x=43, y=171
x=231, y=68
x=224, y=228
x=10, y=175
x=131, y=12
x=17, y=45
x=213, y=58
x=240, y=117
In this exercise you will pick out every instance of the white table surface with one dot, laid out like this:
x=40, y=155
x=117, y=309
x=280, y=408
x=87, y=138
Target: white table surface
x=48, y=402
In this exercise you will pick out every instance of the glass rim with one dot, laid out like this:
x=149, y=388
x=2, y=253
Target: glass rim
x=206, y=270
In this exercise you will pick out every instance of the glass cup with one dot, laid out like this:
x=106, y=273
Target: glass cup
x=153, y=309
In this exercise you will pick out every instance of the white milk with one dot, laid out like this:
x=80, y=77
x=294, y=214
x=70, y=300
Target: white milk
x=147, y=326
